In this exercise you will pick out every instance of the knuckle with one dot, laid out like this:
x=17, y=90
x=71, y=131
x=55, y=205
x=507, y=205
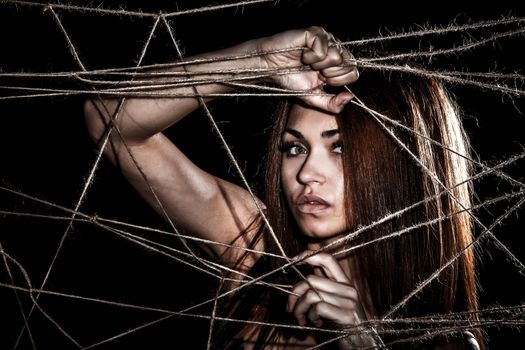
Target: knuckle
x=322, y=255
x=334, y=56
x=350, y=292
x=298, y=317
x=319, y=308
x=311, y=296
x=347, y=318
x=311, y=278
x=315, y=29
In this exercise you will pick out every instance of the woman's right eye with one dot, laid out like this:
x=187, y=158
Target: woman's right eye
x=293, y=149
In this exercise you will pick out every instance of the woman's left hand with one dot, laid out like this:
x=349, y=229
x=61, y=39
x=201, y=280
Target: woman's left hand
x=329, y=294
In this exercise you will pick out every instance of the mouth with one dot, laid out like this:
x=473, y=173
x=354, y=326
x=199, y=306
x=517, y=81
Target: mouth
x=311, y=204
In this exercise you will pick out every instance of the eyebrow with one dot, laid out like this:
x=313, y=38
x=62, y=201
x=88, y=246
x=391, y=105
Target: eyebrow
x=325, y=134
x=329, y=133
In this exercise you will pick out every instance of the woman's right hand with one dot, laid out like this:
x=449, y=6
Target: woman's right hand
x=325, y=60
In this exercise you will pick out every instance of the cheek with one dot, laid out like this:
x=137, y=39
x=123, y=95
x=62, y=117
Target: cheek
x=287, y=177
x=340, y=180
x=289, y=172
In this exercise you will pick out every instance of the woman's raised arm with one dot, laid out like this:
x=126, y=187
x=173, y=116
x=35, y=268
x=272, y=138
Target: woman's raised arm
x=195, y=200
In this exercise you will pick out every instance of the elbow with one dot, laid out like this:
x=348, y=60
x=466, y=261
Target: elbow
x=99, y=115
x=96, y=121
x=93, y=119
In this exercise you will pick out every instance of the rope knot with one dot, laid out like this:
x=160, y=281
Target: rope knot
x=93, y=219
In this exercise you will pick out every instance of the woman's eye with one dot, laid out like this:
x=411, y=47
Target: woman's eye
x=337, y=148
x=292, y=149
x=295, y=150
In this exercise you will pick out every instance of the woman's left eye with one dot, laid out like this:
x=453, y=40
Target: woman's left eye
x=337, y=148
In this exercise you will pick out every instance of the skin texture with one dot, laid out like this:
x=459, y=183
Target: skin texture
x=313, y=184
x=329, y=295
x=312, y=173
x=217, y=210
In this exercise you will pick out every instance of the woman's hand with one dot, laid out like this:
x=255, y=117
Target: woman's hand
x=326, y=63
x=328, y=294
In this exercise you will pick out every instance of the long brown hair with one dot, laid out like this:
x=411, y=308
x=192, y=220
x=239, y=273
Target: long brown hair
x=382, y=178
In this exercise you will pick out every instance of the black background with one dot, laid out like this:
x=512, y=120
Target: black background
x=45, y=152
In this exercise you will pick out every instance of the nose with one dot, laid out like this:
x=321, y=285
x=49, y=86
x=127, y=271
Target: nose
x=312, y=170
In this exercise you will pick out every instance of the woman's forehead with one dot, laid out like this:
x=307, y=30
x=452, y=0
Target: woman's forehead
x=305, y=117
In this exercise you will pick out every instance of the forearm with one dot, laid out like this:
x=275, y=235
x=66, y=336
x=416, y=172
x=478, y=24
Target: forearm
x=312, y=49
x=141, y=118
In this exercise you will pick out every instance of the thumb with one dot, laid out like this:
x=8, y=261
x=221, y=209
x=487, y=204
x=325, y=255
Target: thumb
x=329, y=103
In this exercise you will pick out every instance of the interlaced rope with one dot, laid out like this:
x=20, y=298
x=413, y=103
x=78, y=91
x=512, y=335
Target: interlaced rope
x=142, y=81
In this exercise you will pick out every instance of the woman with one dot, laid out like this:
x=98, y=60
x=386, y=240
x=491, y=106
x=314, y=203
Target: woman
x=331, y=169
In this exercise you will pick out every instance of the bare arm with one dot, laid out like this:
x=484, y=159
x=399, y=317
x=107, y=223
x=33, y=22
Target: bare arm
x=197, y=201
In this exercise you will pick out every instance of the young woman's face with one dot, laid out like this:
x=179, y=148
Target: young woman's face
x=312, y=172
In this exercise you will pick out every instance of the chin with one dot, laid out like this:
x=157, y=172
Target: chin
x=322, y=232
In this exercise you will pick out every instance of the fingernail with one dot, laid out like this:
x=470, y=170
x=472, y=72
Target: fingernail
x=347, y=99
x=296, y=262
x=295, y=259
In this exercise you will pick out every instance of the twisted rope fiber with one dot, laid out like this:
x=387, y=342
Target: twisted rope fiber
x=499, y=244
x=241, y=175
x=362, y=62
x=515, y=311
x=479, y=174
x=462, y=48
x=134, y=13
x=79, y=202
x=117, y=113
x=98, y=220
x=487, y=231
x=290, y=264
x=93, y=169
x=433, y=319
x=18, y=300
x=144, y=242
x=470, y=44
x=34, y=300
x=420, y=33
x=144, y=90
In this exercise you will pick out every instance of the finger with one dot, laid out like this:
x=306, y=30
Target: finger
x=343, y=79
x=303, y=304
x=344, y=317
x=321, y=285
x=312, y=297
x=324, y=284
x=332, y=58
x=330, y=103
x=329, y=264
x=348, y=72
x=332, y=72
x=314, y=317
x=316, y=40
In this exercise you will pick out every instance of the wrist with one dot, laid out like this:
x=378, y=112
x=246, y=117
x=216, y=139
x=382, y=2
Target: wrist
x=257, y=59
